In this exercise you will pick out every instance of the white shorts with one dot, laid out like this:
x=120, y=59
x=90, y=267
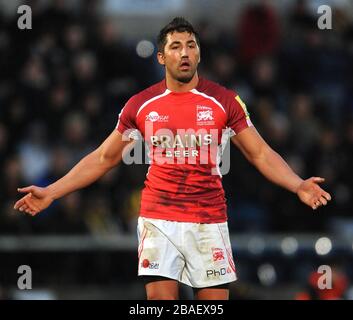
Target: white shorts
x=196, y=254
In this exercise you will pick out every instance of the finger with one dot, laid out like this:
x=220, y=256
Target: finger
x=18, y=204
x=23, y=207
x=318, y=179
x=30, y=205
x=316, y=203
x=327, y=196
x=25, y=189
x=313, y=205
x=323, y=201
x=31, y=212
x=22, y=201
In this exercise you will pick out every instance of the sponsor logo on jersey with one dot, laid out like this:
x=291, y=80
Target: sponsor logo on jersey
x=204, y=116
x=184, y=145
x=181, y=140
x=202, y=146
x=153, y=116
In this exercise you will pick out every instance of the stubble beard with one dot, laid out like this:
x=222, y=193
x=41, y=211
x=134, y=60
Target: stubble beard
x=183, y=78
x=186, y=78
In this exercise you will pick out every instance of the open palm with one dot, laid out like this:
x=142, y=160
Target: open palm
x=35, y=200
x=310, y=193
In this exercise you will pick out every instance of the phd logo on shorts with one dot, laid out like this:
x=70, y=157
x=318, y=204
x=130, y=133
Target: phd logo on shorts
x=218, y=272
x=150, y=265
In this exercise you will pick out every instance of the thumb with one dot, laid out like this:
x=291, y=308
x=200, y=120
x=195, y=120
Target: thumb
x=25, y=189
x=318, y=179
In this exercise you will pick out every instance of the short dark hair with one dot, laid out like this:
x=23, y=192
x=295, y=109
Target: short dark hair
x=178, y=24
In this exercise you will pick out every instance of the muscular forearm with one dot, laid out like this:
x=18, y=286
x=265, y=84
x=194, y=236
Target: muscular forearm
x=85, y=172
x=88, y=170
x=275, y=169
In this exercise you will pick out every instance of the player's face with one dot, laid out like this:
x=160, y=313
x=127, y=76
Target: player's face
x=181, y=56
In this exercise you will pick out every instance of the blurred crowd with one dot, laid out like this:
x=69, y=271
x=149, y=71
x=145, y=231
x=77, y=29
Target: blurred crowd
x=64, y=82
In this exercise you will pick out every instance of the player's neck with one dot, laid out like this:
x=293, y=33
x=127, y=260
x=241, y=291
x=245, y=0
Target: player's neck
x=177, y=86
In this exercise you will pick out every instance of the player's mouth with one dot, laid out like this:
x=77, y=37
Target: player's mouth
x=185, y=65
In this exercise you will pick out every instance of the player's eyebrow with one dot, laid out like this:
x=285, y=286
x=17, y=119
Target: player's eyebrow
x=179, y=42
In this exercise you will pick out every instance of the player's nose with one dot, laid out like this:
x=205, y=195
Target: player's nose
x=184, y=53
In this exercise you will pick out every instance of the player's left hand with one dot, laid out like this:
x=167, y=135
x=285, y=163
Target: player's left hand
x=311, y=193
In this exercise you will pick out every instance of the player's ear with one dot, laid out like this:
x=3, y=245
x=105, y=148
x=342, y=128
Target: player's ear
x=160, y=58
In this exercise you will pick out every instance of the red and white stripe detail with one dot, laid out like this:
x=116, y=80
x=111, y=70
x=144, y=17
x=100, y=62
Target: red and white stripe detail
x=229, y=252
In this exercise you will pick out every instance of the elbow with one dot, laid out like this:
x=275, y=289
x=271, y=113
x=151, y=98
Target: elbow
x=261, y=157
x=106, y=160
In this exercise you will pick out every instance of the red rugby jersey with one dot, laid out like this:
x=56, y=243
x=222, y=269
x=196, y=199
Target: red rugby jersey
x=184, y=133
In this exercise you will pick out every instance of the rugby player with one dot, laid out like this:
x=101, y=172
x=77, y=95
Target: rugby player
x=184, y=120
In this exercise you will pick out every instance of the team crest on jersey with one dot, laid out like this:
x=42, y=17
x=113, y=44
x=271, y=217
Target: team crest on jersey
x=204, y=115
x=217, y=254
x=153, y=116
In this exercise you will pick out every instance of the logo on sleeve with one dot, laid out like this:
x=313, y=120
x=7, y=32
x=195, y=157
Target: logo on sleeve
x=204, y=116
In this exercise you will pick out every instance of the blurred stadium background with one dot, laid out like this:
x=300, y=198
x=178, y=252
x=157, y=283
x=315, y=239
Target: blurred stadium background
x=63, y=84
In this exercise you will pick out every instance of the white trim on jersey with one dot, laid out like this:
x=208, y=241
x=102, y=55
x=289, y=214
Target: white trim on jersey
x=208, y=97
x=227, y=133
x=119, y=115
x=166, y=92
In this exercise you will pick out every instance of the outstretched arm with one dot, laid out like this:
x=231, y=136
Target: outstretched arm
x=85, y=172
x=275, y=169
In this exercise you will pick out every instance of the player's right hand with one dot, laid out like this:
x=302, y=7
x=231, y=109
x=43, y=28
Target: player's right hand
x=35, y=200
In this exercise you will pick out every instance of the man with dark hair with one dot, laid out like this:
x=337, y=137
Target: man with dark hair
x=184, y=120
x=180, y=25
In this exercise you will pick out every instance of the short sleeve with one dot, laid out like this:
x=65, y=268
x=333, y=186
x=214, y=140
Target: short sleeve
x=126, y=124
x=238, y=115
